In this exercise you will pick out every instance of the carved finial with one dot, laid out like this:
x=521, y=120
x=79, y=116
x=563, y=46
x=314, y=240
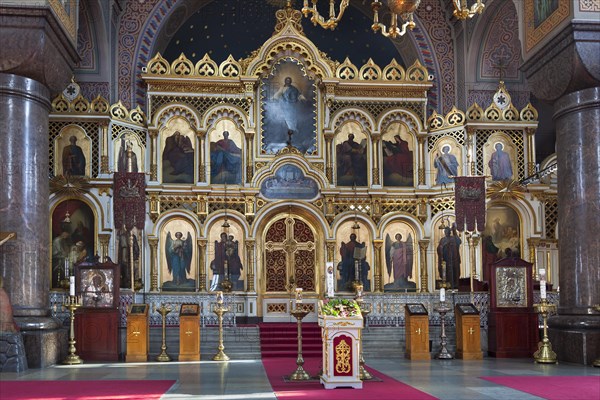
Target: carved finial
x=288, y=16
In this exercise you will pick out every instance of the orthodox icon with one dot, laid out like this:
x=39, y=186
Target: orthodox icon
x=289, y=109
x=351, y=156
x=179, y=266
x=398, y=169
x=73, y=238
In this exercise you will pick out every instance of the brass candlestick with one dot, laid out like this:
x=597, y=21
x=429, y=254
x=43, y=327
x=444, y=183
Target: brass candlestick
x=72, y=303
x=443, y=354
x=597, y=360
x=163, y=356
x=364, y=374
x=300, y=374
x=220, y=310
x=544, y=354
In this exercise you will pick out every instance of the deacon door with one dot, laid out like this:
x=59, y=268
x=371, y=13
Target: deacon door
x=289, y=262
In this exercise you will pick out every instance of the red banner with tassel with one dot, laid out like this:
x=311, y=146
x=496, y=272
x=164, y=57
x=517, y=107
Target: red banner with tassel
x=129, y=205
x=469, y=208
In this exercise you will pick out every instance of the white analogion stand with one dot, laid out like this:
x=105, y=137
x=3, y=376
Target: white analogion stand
x=341, y=351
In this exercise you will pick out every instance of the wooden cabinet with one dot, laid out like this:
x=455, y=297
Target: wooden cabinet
x=512, y=324
x=137, y=333
x=189, y=338
x=417, y=332
x=97, y=334
x=468, y=332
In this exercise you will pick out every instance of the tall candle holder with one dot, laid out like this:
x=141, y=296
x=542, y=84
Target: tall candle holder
x=544, y=354
x=365, y=311
x=442, y=309
x=220, y=310
x=72, y=303
x=163, y=356
x=299, y=374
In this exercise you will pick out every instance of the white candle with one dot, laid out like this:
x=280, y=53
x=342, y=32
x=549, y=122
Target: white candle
x=442, y=294
x=71, y=286
x=542, y=283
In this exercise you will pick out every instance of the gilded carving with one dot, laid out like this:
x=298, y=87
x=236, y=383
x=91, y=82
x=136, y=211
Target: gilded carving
x=343, y=353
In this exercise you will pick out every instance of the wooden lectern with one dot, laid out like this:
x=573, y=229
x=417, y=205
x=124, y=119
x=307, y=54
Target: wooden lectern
x=512, y=322
x=137, y=333
x=189, y=332
x=417, y=332
x=468, y=332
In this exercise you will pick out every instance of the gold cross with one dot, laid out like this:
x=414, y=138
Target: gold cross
x=418, y=331
x=135, y=333
x=189, y=333
x=471, y=330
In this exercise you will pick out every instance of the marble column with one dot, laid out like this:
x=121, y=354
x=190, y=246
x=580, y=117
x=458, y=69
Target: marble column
x=577, y=330
x=25, y=107
x=569, y=60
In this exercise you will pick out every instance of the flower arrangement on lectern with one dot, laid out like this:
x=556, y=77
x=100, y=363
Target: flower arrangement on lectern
x=340, y=307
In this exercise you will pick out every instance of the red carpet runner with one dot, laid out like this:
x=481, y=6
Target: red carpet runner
x=83, y=390
x=552, y=387
x=386, y=389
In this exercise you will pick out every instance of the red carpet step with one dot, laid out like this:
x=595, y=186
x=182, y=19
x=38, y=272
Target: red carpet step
x=281, y=340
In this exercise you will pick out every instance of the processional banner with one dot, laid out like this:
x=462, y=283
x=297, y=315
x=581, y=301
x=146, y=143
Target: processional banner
x=469, y=197
x=129, y=206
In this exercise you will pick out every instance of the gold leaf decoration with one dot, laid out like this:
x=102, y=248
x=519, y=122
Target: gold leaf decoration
x=69, y=186
x=506, y=190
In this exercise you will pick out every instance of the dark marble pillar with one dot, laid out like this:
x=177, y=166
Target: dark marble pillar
x=24, y=105
x=576, y=329
x=37, y=61
x=569, y=62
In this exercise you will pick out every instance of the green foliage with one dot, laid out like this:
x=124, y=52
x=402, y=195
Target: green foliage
x=339, y=307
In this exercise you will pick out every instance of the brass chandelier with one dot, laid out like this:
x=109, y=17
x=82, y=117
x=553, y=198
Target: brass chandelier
x=402, y=8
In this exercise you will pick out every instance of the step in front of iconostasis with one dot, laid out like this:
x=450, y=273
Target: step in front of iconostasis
x=281, y=340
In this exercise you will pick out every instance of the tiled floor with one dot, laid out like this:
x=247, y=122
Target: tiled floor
x=449, y=380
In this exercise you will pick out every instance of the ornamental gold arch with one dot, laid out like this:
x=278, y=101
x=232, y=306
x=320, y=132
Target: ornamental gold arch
x=168, y=111
x=411, y=121
x=231, y=112
x=353, y=114
x=299, y=161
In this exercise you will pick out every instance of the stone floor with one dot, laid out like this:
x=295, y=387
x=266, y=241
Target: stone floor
x=246, y=379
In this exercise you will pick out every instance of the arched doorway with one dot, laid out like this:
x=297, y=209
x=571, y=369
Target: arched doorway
x=289, y=258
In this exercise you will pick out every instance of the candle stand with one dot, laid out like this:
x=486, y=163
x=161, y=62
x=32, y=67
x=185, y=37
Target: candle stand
x=163, y=356
x=364, y=374
x=443, y=354
x=544, y=354
x=72, y=303
x=299, y=374
x=220, y=310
